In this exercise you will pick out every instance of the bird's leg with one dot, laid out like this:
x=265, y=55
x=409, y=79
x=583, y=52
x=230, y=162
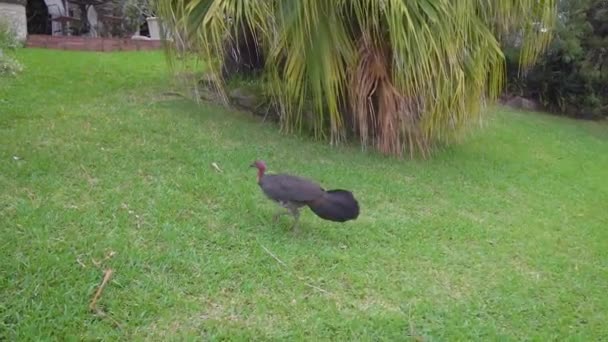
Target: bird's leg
x=296, y=216
x=279, y=213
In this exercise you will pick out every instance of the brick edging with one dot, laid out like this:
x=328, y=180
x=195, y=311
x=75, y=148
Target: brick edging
x=78, y=43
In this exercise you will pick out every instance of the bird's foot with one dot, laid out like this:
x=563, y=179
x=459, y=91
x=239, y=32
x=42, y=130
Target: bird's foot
x=295, y=229
x=276, y=216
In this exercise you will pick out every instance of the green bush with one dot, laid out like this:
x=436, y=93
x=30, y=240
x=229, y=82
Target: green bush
x=8, y=36
x=572, y=76
x=9, y=66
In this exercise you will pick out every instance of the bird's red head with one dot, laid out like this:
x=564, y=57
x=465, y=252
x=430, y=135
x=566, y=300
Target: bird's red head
x=261, y=166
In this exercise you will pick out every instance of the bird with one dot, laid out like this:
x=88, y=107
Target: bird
x=294, y=192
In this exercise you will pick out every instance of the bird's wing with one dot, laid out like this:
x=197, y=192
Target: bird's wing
x=284, y=187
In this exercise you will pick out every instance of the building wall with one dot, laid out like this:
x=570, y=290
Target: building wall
x=15, y=14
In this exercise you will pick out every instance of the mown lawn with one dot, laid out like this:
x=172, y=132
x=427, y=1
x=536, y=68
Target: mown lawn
x=504, y=236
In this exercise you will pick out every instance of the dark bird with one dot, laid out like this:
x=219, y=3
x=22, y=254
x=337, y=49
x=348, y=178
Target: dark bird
x=293, y=193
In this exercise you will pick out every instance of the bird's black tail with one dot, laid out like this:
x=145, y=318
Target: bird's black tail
x=336, y=205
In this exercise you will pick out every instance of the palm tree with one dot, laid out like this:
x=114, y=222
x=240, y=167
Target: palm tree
x=401, y=75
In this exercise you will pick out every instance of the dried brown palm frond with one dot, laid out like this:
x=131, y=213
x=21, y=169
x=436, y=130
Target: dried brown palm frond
x=383, y=115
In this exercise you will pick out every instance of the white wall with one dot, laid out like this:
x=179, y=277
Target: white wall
x=15, y=14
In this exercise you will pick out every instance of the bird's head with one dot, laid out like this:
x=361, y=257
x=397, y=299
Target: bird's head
x=259, y=164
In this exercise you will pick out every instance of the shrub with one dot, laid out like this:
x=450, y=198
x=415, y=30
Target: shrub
x=571, y=77
x=9, y=66
x=8, y=36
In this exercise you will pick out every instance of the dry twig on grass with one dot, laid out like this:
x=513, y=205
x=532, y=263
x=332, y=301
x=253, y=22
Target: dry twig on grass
x=107, y=274
x=108, y=256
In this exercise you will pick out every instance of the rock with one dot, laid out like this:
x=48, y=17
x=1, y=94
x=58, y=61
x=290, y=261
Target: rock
x=207, y=80
x=244, y=98
x=519, y=102
x=210, y=96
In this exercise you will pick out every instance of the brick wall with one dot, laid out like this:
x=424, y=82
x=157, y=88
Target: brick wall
x=91, y=44
x=15, y=14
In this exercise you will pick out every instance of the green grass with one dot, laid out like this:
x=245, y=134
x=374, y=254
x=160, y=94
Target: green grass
x=503, y=236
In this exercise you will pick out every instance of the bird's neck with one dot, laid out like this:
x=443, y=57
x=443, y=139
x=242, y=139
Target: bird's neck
x=261, y=171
